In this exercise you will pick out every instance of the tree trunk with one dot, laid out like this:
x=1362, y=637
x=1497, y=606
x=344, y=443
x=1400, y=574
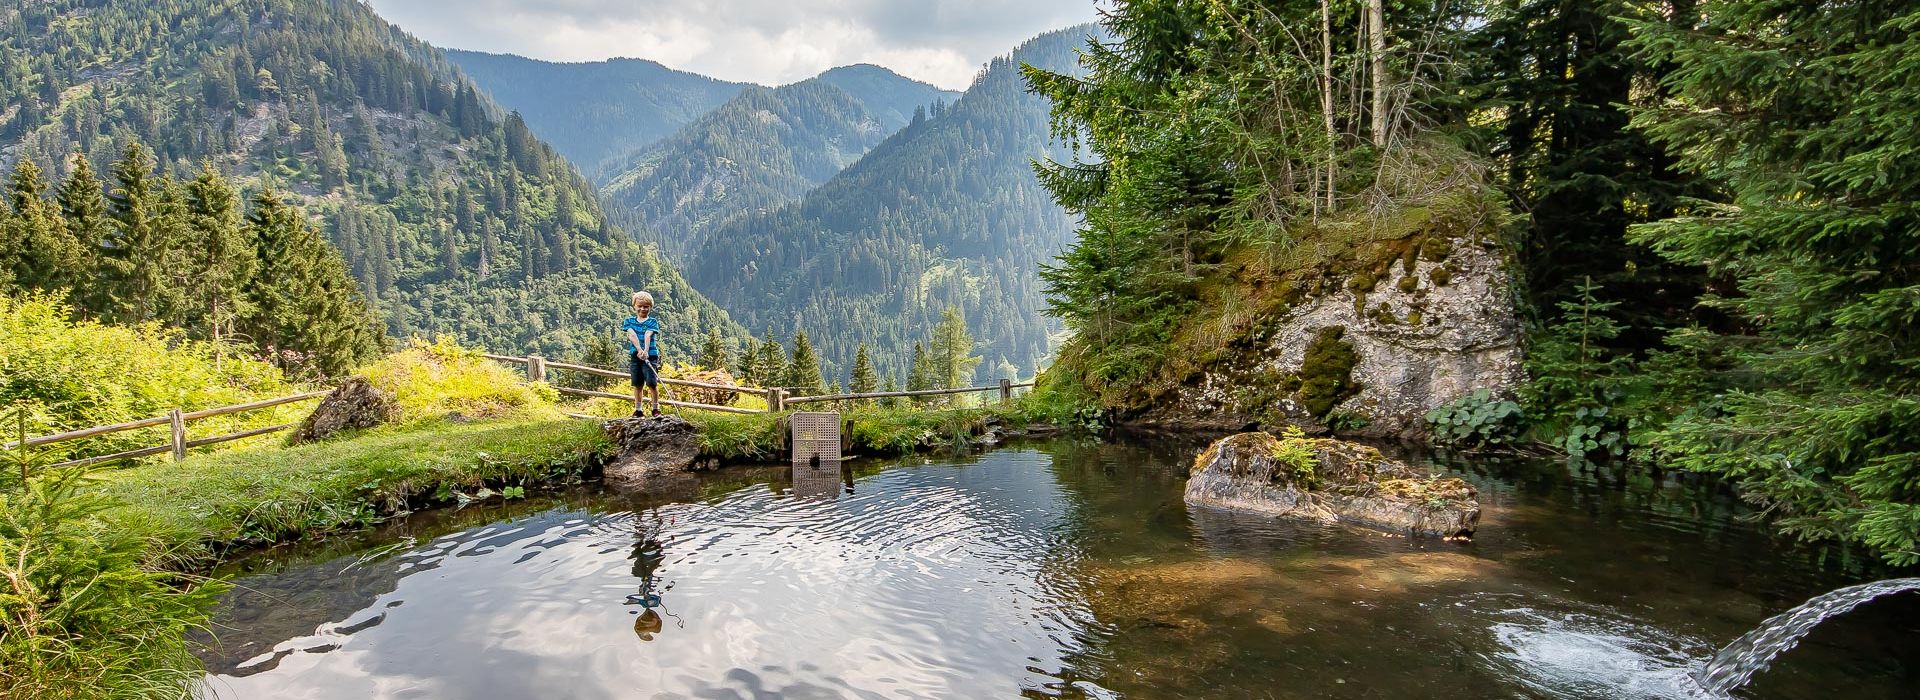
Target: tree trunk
x=1377, y=33
x=1326, y=94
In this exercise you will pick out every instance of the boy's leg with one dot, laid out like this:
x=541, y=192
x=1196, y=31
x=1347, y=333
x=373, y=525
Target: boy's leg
x=639, y=386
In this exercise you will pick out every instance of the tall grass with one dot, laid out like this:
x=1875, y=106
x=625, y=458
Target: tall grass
x=439, y=379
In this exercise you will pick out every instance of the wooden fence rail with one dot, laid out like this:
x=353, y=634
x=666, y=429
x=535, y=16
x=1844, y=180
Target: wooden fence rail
x=177, y=420
x=776, y=397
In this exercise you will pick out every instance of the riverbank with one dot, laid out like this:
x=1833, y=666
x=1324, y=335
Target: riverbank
x=196, y=510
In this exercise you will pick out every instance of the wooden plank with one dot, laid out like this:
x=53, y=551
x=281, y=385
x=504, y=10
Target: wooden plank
x=885, y=394
x=129, y=454
x=615, y=374
x=505, y=358
x=669, y=402
x=224, y=410
x=90, y=432
x=240, y=435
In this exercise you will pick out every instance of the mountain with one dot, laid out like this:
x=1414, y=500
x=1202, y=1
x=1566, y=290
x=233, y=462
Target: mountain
x=891, y=97
x=453, y=218
x=763, y=148
x=946, y=211
x=597, y=112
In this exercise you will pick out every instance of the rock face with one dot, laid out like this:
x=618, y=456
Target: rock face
x=650, y=452
x=356, y=404
x=1328, y=480
x=1428, y=327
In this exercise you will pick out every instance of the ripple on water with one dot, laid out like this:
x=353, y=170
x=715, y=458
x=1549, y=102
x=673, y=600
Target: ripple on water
x=1590, y=654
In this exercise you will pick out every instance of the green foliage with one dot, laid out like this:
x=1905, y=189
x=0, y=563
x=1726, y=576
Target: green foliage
x=1478, y=419
x=803, y=369
x=863, y=379
x=82, y=612
x=69, y=374
x=1577, y=380
x=1295, y=453
x=1804, y=110
x=950, y=352
x=713, y=352
x=441, y=379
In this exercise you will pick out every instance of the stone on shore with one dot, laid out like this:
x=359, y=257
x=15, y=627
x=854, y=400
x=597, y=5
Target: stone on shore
x=649, y=452
x=1328, y=480
x=356, y=405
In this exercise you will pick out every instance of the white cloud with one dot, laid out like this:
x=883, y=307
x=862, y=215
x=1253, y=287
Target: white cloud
x=762, y=41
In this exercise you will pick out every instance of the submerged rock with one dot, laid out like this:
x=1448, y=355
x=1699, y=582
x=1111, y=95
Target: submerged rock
x=357, y=404
x=650, y=452
x=1329, y=480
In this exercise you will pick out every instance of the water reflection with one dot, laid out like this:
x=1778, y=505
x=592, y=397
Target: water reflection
x=1070, y=570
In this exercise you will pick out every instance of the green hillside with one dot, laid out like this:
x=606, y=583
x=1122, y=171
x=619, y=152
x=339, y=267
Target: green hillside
x=454, y=218
x=945, y=212
x=891, y=97
x=598, y=112
x=761, y=149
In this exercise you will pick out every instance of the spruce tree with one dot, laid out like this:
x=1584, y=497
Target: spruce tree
x=750, y=363
x=863, y=380
x=310, y=316
x=221, y=261
x=1804, y=109
x=803, y=371
x=133, y=261
x=43, y=253
x=713, y=352
x=920, y=373
x=773, y=361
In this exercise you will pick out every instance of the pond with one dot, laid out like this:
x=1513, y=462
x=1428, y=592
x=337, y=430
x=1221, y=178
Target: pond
x=1063, y=568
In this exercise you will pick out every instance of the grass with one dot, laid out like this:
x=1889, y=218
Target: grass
x=193, y=509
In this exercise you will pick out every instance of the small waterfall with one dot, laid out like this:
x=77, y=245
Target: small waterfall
x=1750, y=654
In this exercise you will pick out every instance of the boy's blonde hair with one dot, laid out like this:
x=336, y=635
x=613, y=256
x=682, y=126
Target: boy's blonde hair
x=640, y=296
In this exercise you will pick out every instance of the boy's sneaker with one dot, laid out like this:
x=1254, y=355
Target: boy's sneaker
x=656, y=413
x=637, y=413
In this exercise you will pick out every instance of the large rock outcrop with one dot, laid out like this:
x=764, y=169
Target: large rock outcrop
x=650, y=453
x=1328, y=480
x=1367, y=343
x=356, y=405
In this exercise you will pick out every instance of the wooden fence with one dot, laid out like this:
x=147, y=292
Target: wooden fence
x=777, y=398
x=177, y=419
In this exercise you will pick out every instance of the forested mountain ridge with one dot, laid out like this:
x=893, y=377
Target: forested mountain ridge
x=454, y=219
x=763, y=148
x=596, y=113
x=945, y=212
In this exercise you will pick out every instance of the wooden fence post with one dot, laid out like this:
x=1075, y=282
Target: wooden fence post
x=1006, y=391
x=536, y=368
x=179, y=434
x=776, y=399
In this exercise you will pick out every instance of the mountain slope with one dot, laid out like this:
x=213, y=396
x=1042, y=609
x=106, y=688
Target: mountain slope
x=891, y=97
x=454, y=219
x=594, y=113
x=946, y=211
x=761, y=149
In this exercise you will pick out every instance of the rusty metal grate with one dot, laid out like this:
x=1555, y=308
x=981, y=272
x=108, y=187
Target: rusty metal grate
x=816, y=435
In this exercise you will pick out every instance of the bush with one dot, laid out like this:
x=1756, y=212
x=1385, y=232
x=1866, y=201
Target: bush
x=70, y=374
x=83, y=614
x=1475, y=420
x=439, y=379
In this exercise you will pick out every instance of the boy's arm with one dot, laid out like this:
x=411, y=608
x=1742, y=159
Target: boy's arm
x=635, y=339
x=647, y=349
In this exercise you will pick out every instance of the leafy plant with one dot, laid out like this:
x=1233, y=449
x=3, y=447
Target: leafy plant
x=1478, y=419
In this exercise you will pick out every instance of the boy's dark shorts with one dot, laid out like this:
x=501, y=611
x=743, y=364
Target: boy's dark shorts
x=643, y=373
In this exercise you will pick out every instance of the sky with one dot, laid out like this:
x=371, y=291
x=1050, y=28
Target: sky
x=771, y=42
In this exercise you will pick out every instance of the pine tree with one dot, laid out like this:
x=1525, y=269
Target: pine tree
x=310, y=315
x=750, y=363
x=1804, y=109
x=920, y=373
x=773, y=361
x=44, y=254
x=863, y=380
x=803, y=370
x=713, y=352
x=950, y=352
x=221, y=260
x=133, y=262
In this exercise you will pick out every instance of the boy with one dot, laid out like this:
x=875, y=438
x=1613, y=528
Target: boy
x=643, y=351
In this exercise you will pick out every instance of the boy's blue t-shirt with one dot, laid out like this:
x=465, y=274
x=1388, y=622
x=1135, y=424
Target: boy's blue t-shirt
x=640, y=328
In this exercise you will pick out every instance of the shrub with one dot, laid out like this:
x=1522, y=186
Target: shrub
x=437, y=379
x=69, y=374
x=1475, y=420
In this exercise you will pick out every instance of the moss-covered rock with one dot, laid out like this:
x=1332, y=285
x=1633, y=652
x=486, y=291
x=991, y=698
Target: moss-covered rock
x=1326, y=480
